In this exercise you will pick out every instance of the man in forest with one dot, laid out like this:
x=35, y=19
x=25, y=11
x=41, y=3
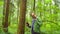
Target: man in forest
x=35, y=28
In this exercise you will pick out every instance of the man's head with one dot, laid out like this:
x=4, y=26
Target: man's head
x=33, y=15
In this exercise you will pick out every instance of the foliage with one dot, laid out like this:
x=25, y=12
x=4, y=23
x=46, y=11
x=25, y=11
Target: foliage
x=47, y=10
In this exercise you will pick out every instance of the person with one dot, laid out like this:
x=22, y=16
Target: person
x=35, y=28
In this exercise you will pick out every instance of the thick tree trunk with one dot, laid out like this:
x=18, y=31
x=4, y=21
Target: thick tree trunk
x=21, y=25
x=6, y=14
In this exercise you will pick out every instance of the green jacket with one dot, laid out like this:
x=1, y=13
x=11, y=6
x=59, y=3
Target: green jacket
x=37, y=25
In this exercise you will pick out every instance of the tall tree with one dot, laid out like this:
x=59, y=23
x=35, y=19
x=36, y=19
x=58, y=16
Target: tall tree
x=6, y=14
x=21, y=25
x=34, y=6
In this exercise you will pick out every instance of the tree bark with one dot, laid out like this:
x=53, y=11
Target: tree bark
x=6, y=14
x=34, y=6
x=21, y=25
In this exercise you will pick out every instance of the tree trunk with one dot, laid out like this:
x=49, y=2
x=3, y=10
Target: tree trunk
x=34, y=6
x=21, y=25
x=6, y=14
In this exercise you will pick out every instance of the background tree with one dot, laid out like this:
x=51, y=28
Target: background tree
x=21, y=25
x=6, y=15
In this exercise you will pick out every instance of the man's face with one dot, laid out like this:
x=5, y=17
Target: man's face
x=33, y=15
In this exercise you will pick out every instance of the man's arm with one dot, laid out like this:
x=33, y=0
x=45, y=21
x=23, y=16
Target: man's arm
x=39, y=22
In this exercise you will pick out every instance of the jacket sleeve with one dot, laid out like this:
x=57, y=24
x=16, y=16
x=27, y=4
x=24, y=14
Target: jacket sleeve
x=39, y=21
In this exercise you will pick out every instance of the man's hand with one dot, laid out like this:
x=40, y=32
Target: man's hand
x=27, y=24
